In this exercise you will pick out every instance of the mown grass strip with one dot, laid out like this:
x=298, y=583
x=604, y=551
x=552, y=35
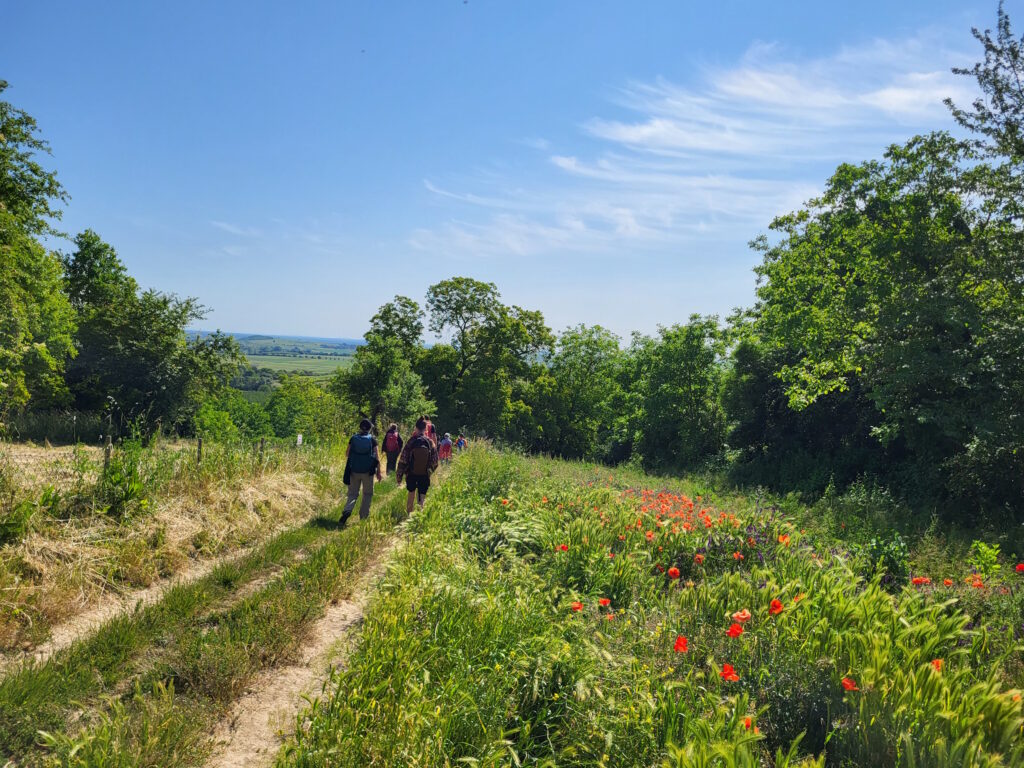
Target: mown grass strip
x=40, y=696
x=205, y=664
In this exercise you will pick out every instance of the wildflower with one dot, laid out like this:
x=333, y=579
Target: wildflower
x=775, y=607
x=735, y=630
x=784, y=539
x=543, y=499
x=917, y=581
x=604, y=602
x=577, y=606
x=673, y=572
x=610, y=616
x=681, y=645
x=564, y=547
x=747, y=723
x=737, y=555
x=1020, y=568
x=505, y=502
x=947, y=582
x=937, y=665
x=698, y=559
x=741, y=616
x=728, y=673
x=799, y=597
x=978, y=584
x=850, y=684
x=611, y=554
x=650, y=535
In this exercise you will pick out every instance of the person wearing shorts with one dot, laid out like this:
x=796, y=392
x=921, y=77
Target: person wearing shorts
x=416, y=464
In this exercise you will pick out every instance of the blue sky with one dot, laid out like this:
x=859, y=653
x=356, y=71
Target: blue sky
x=295, y=165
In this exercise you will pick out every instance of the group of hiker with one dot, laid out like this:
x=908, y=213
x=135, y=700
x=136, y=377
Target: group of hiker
x=415, y=460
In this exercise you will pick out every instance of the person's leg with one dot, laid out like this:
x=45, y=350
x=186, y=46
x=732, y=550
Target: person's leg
x=350, y=498
x=410, y=502
x=364, y=508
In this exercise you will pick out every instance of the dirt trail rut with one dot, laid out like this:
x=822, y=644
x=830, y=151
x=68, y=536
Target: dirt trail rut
x=84, y=624
x=250, y=736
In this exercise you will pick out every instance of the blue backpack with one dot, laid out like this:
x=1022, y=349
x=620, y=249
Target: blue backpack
x=360, y=454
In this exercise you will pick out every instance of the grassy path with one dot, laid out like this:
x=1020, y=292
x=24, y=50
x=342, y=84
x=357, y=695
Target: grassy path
x=178, y=662
x=250, y=736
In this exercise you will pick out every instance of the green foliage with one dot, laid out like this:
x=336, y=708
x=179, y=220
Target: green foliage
x=489, y=644
x=300, y=406
x=381, y=383
x=888, y=558
x=134, y=357
x=984, y=559
x=401, y=319
x=122, y=489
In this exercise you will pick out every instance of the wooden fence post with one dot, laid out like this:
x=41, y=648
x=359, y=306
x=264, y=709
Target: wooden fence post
x=107, y=450
x=199, y=451
x=263, y=449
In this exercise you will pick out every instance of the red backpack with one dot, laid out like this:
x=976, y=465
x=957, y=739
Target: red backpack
x=391, y=442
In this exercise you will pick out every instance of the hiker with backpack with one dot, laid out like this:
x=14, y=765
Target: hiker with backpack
x=392, y=447
x=461, y=444
x=416, y=464
x=361, y=465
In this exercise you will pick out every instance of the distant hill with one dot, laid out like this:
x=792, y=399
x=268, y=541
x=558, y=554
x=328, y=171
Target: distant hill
x=338, y=343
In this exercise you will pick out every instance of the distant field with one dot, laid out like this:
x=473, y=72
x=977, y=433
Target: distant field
x=318, y=366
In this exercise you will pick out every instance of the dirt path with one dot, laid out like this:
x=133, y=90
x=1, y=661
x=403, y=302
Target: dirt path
x=107, y=607
x=251, y=735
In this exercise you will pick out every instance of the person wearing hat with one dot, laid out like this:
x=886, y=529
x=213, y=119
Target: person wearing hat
x=361, y=465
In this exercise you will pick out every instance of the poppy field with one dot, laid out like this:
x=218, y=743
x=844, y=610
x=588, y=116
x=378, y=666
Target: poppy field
x=546, y=613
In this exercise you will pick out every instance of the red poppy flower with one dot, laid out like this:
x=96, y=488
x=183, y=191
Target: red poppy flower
x=728, y=673
x=610, y=616
x=917, y=581
x=698, y=559
x=681, y=645
x=775, y=608
x=564, y=547
x=799, y=597
x=505, y=502
x=850, y=684
x=937, y=665
x=673, y=572
x=604, y=602
x=611, y=554
x=737, y=555
x=735, y=630
x=747, y=722
x=650, y=535
x=1020, y=567
x=784, y=539
x=577, y=606
x=741, y=616
x=947, y=582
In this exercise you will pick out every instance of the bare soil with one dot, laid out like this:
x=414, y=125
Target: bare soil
x=251, y=735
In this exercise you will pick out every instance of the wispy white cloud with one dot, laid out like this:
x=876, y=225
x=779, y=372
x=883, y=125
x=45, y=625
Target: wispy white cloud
x=708, y=161
x=234, y=229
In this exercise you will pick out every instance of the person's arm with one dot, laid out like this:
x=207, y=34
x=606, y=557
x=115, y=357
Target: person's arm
x=433, y=460
x=403, y=461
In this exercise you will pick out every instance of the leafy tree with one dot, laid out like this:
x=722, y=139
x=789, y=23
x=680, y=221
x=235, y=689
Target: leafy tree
x=462, y=305
x=229, y=416
x=36, y=322
x=381, y=383
x=679, y=422
x=996, y=117
x=400, y=319
x=134, y=355
x=300, y=406
x=584, y=374
x=29, y=194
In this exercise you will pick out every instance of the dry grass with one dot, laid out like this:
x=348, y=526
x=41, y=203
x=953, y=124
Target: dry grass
x=65, y=566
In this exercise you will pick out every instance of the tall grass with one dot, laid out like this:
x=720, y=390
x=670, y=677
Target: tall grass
x=491, y=645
